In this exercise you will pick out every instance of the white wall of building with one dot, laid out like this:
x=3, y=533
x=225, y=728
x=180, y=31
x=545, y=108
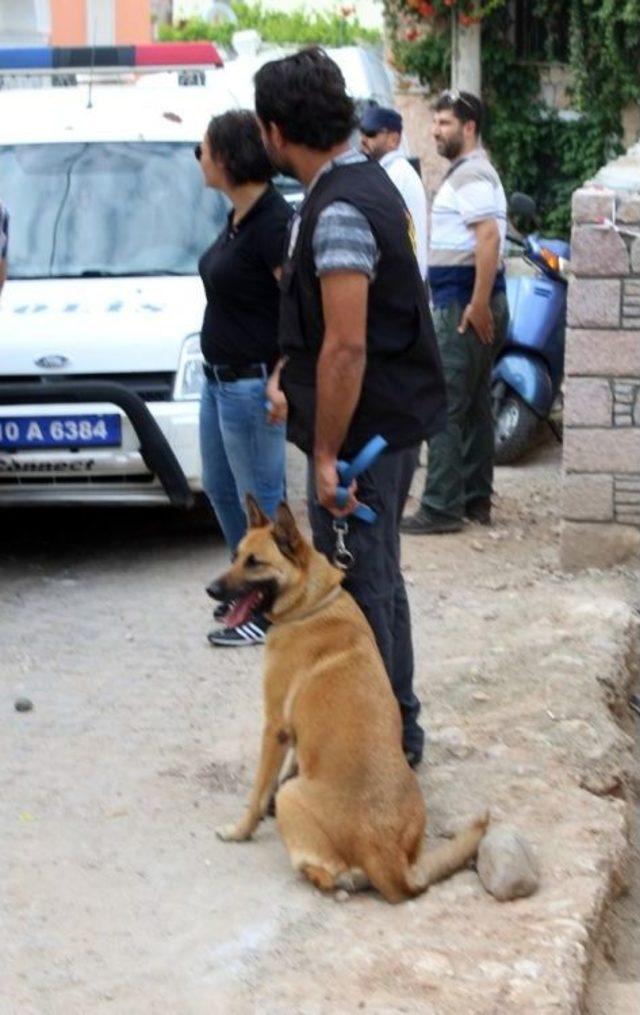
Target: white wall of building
x=25, y=22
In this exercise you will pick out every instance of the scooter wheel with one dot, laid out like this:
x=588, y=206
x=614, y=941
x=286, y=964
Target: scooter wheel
x=515, y=428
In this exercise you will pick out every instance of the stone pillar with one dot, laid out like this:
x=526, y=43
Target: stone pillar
x=466, y=72
x=601, y=456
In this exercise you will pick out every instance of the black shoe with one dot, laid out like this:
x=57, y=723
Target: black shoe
x=479, y=511
x=413, y=758
x=253, y=632
x=422, y=524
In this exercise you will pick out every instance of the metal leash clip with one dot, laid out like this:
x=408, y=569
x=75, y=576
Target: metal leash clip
x=342, y=557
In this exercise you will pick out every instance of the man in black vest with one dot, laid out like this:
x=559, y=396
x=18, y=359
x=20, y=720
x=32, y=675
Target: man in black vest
x=360, y=356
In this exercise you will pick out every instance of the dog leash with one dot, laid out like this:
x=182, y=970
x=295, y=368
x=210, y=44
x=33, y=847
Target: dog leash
x=347, y=472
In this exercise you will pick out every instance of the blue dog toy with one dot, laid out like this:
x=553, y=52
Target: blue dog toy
x=347, y=471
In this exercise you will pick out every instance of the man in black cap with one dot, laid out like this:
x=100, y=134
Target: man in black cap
x=380, y=139
x=361, y=357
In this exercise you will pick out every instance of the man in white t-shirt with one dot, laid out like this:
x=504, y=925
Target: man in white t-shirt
x=381, y=136
x=470, y=314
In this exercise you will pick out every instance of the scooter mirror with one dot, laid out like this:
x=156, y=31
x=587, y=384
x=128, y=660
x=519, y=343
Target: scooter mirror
x=522, y=205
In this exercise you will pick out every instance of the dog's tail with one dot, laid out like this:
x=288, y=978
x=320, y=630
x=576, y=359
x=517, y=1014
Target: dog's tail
x=397, y=880
x=447, y=858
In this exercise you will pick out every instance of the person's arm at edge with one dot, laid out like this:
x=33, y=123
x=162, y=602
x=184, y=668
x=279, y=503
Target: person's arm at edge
x=477, y=313
x=3, y=272
x=277, y=407
x=339, y=375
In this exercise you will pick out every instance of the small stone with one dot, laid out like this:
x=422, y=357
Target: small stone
x=480, y=696
x=433, y=964
x=506, y=865
x=525, y=967
x=493, y=970
x=477, y=545
x=342, y=895
x=453, y=742
x=496, y=751
x=23, y=705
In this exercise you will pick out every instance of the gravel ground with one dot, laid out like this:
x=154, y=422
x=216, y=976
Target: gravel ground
x=143, y=738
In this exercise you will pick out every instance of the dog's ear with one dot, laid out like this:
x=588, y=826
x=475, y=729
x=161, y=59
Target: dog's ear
x=255, y=514
x=286, y=533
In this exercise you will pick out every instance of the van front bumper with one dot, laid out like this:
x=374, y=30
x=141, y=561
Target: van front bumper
x=157, y=462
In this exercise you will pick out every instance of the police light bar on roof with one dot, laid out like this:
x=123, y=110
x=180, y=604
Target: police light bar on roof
x=60, y=58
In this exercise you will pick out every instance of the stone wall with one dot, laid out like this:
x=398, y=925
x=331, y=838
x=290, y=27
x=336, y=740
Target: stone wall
x=601, y=460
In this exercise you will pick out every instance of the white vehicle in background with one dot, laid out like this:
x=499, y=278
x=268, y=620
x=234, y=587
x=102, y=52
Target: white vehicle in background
x=100, y=366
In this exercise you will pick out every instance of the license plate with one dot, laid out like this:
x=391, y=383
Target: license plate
x=91, y=431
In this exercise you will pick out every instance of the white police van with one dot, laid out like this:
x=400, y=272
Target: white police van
x=100, y=367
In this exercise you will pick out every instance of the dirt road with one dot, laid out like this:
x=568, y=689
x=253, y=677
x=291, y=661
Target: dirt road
x=143, y=738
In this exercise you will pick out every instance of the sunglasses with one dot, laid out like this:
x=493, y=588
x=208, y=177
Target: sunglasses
x=453, y=95
x=371, y=133
x=197, y=151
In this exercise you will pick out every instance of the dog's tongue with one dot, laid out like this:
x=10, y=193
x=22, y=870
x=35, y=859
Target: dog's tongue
x=242, y=609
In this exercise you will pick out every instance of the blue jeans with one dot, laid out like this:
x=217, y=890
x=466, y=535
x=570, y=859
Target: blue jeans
x=241, y=452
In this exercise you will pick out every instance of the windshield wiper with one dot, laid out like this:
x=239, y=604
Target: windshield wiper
x=98, y=273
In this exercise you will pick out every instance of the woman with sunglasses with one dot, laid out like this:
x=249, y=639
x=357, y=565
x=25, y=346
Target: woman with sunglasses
x=242, y=444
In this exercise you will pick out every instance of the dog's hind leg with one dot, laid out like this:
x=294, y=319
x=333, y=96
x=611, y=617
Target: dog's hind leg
x=288, y=771
x=310, y=848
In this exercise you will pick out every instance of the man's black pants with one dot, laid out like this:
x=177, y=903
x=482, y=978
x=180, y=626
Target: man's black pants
x=375, y=580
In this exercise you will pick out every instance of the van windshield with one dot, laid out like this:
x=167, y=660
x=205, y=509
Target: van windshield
x=100, y=209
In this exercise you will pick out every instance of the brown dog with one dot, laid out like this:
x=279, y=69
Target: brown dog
x=354, y=814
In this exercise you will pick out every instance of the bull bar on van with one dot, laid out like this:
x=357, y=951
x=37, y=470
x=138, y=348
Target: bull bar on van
x=156, y=451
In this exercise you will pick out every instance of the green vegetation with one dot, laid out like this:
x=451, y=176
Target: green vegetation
x=339, y=29
x=535, y=148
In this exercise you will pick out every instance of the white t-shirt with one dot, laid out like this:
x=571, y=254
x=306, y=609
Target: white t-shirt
x=470, y=192
x=404, y=176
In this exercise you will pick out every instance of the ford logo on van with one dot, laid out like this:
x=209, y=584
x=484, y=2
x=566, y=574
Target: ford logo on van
x=52, y=362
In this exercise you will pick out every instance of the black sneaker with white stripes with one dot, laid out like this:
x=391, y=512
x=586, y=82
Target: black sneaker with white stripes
x=252, y=632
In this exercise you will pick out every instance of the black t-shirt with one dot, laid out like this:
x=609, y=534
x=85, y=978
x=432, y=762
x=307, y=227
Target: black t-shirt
x=240, y=323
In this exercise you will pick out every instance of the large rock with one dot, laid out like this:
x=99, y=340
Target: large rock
x=506, y=865
x=583, y=544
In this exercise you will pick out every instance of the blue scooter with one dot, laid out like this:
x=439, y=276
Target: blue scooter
x=528, y=371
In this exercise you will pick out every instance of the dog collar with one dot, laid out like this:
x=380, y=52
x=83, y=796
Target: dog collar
x=316, y=609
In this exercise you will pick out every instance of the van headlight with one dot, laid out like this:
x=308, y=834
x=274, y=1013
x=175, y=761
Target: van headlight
x=187, y=386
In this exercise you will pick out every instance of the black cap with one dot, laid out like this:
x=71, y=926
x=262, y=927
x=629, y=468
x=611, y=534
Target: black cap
x=377, y=118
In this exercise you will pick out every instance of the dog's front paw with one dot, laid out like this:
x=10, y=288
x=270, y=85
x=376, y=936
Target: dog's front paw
x=233, y=832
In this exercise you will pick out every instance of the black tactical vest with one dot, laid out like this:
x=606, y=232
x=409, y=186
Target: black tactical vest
x=403, y=395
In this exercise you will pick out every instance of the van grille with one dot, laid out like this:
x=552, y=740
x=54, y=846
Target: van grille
x=77, y=480
x=156, y=387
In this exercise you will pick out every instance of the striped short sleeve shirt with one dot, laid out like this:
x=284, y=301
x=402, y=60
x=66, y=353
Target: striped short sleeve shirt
x=342, y=238
x=470, y=193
